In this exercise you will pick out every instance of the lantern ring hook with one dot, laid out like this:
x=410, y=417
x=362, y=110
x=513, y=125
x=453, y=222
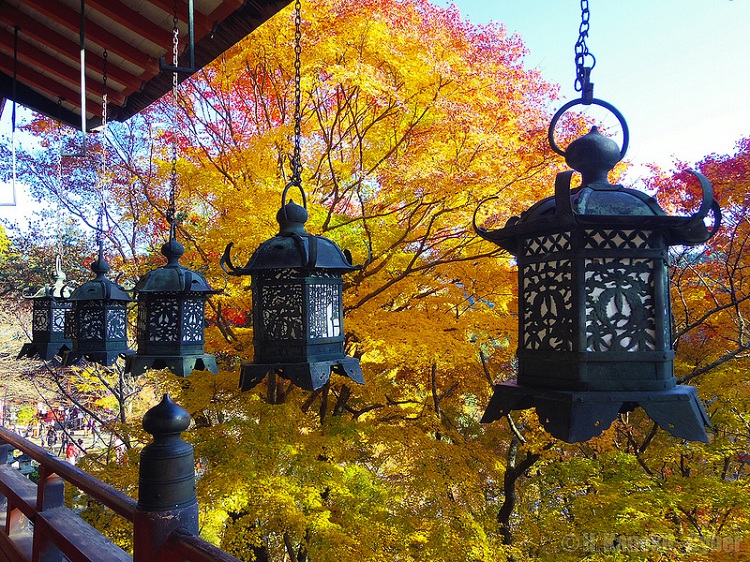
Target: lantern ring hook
x=476, y=228
x=283, y=197
x=601, y=103
x=226, y=261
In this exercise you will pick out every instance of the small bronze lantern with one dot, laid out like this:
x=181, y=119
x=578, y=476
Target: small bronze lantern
x=594, y=309
x=298, y=317
x=50, y=305
x=171, y=322
x=98, y=323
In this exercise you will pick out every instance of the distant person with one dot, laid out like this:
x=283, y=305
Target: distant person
x=64, y=442
x=51, y=437
x=71, y=453
x=120, y=450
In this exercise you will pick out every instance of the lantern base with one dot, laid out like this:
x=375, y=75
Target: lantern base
x=309, y=376
x=180, y=365
x=46, y=351
x=579, y=416
x=104, y=358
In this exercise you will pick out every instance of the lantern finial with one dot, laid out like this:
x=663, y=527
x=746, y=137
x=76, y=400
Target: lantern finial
x=100, y=266
x=292, y=218
x=593, y=155
x=173, y=251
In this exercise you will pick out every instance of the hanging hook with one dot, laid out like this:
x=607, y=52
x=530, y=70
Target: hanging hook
x=583, y=82
x=606, y=105
x=283, y=198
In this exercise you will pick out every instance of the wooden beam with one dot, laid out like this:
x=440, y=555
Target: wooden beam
x=70, y=19
x=202, y=24
x=39, y=60
x=39, y=82
x=71, y=50
x=121, y=13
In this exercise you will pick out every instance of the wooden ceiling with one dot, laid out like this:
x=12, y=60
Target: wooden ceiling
x=135, y=34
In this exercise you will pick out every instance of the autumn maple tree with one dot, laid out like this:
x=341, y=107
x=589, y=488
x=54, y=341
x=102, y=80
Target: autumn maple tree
x=411, y=120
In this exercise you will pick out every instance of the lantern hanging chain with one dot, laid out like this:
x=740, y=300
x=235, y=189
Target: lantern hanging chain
x=297, y=154
x=104, y=116
x=583, y=73
x=171, y=209
x=58, y=219
x=103, y=176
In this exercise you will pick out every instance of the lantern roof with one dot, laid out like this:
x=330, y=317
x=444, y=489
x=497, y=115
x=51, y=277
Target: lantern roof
x=100, y=288
x=173, y=277
x=594, y=155
x=294, y=248
x=598, y=203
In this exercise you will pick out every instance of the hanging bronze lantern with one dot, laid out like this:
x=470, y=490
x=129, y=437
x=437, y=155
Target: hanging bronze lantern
x=594, y=308
x=171, y=309
x=50, y=305
x=97, y=322
x=298, y=317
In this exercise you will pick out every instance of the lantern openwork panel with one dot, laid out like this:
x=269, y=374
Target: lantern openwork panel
x=50, y=307
x=48, y=322
x=297, y=316
x=169, y=322
x=98, y=330
x=594, y=310
x=96, y=322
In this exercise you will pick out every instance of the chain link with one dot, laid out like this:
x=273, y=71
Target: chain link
x=104, y=179
x=297, y=154
x=104, y=92
x=58, y=221
x=171, y=209
x=582, y=81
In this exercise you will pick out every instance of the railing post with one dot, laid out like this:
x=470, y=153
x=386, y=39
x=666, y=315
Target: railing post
x=5, y=450
x=166, y=487
x=50, y=494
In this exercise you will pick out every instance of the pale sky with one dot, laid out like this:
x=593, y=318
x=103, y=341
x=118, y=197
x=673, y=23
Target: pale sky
x=678, y=70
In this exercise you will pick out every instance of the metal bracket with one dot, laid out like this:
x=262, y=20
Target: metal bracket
x=191, y=47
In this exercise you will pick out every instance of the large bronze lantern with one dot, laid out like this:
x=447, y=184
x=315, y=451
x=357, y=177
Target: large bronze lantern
x=171, y=323
x=97, y=322
x=594, y=336
x=50, y=305
x=298, y=317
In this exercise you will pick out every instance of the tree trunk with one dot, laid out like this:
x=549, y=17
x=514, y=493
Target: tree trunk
x=513, y=472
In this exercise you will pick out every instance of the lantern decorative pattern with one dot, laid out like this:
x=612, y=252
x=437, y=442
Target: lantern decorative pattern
x=171, y=322
x=98, y=320
x=594, y=309
x=50, y=306
x=298, y=317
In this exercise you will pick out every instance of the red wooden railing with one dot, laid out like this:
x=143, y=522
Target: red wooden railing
x=35, y=525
